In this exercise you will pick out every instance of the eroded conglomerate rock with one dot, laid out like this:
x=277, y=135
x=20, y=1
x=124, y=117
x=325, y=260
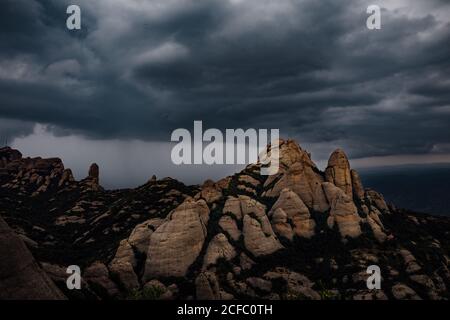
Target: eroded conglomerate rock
x=33, y=176
x=123, y=265
x=21, y=278
x=139, y=238
x=97, y=276
x=338, y=172
x=343, y=211
x=298, y=173
x=229, y=225
x=218, y=248
x=357, y=186
x=249, y=180
x=176, y=244
x=92, y=181
x=211, y=192
x=175, y=247
x=233, y=206
x=377, y=200
x=259, y=237
x=376, y=225
x=291, y=216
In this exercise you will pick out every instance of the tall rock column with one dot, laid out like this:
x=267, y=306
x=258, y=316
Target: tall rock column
x=338, y=172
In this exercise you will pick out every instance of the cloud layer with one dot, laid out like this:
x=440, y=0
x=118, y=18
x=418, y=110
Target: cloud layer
x=140, y=69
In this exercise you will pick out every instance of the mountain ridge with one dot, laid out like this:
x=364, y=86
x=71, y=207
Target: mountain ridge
x=299, y=234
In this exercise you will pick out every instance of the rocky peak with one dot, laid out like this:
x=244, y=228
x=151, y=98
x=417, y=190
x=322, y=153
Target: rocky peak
x=290, y=152
x=92, y=180
x=7, y=154
x=94, y=171
x=338, y=171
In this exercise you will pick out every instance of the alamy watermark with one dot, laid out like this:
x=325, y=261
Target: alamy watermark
x=238, y=147
x=374, y=280
x=73, y=22
x=74, y=280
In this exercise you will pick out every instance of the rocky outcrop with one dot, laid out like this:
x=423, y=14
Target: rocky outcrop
x=139, y=238
x=338, y=172
x=218, y=248
x=98, y=277
x=357, y=186
x=123, y=265
x=259, y=237
x=21, y=278
x=377, y=200
x=176, y=244
x=290, y=216
x=92, y=181
x=229, y=226
x=211, y=192
x=299, y=174
x=246, y=237
x=343, y=211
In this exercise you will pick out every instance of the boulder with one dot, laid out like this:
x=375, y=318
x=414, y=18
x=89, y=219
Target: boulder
x=242, y=205
x=376, y=199
x=139, y=238
x=123, y=265
x=281, y=225
x=259, y=237
x=176, y=243
x=218, y=248
x=97, y=276
x=343, y=211
x=289, y=210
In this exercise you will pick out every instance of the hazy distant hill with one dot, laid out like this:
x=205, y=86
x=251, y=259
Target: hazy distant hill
x=424, y=188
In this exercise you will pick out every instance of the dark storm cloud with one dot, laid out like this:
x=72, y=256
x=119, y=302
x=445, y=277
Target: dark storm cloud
x=311, y=68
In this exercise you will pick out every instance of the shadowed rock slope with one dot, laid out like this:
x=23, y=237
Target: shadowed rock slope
x=298, y=234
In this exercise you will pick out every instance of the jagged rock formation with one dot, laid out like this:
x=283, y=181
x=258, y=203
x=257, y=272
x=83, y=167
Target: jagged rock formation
x=299, y=234
x=290, y=216
x=298, y=173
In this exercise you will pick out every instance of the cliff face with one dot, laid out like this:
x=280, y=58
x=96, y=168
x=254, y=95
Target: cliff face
x=299, y=234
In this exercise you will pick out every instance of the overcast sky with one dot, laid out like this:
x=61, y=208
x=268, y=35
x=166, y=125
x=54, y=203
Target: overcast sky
x=137, y=70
